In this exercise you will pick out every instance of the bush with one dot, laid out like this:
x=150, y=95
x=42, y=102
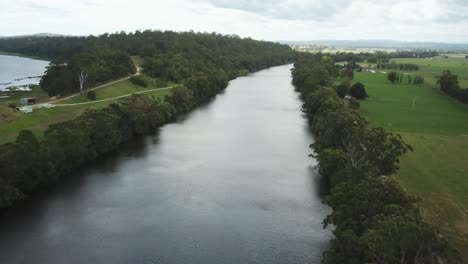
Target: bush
x=91, y=95
x=161, y=83
x=354, y=104
x=138, y=80
x=13, y=106
x=392, y=77
x=358, y=91
x=342, y=90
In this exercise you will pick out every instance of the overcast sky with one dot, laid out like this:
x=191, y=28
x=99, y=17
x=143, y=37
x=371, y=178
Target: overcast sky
x=412, y=20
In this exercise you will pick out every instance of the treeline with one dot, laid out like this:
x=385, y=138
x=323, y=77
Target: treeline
x=169, y=55
x=449, y=84
x=85, y=70
x=383, y=57
x=398, y=66
x=397, y=77
x=29, y=164
x=374, y=220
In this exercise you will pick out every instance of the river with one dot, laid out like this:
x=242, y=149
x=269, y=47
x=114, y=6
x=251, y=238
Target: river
x=230, y=182
x=19, y=72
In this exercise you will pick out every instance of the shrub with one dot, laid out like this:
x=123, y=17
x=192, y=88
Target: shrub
x=354, y=104
x=161, y=83
x=91, y=95
x=138, y=80
x=392, y=77
x=13, y=106
x=358, y=91
x=342, y=90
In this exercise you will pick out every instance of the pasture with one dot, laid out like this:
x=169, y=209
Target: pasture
x=430, y=68
x=436, y=126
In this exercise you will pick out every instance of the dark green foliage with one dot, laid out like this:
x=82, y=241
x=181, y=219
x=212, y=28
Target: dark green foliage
x=418, y=79
x=354, y=104
x=358, y=91
x=139, y=80
x=203, y=63
x=392, y=77
x=410, y=79
x=169, y=55
x=342, y=89
x=398, y=66
x=382, y=57
x=182, y=98
x=12, y=106
x=347, y=73
x=97, y=66
x=91, y=95
x=374, y=219
x=449, y=84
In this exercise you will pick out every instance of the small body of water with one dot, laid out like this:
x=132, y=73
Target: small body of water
x=229, y=183
x=20, y=72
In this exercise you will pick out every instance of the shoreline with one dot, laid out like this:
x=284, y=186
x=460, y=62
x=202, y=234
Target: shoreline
x=4, y=53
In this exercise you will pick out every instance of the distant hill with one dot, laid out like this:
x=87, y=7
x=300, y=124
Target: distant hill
x=38, y=35
x=382, y=44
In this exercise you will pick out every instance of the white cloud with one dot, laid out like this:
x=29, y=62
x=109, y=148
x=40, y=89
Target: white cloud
x=423, y=20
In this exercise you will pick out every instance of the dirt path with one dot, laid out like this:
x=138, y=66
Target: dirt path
x=117, y=97
x=97, y=87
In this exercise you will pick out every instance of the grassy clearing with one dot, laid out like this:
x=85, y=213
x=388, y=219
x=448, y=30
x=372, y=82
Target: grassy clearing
x=436, y=128
x=114, y=90
x=391, y=106
x=15, y=96
x=430, y=68
x=40, y=119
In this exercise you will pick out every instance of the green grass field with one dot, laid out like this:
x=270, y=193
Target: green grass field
x=430, y=68
x=437, y=128
x=11, y=122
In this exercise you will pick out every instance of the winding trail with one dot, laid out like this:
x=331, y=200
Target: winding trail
x=98, y=87
x=117, y=97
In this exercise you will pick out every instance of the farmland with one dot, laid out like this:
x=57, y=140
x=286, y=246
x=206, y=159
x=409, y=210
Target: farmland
x=435, y=126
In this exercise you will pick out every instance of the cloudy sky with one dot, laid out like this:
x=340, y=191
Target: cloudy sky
x=412, y=20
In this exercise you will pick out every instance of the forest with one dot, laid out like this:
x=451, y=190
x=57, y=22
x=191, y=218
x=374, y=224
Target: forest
x=374, y=220
x=167, y=54
x=202, y=64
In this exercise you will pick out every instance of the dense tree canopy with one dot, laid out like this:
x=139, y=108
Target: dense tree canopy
x=449, y=84
x=169, y=55
x=201, y=64
x=373, y=219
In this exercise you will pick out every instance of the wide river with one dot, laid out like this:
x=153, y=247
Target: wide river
x=17, y=71
x=229, y=183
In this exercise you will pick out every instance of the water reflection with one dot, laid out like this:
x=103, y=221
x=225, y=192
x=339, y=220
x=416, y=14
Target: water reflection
x=228, y=183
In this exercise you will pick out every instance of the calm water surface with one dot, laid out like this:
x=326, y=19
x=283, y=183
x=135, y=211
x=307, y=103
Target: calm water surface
x=18, y=71
x=229, y=183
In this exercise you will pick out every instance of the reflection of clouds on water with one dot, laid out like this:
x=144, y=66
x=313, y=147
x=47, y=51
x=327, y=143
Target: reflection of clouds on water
x=19, y=73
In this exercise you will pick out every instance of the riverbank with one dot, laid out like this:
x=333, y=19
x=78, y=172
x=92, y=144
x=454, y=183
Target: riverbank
x=59, y=143
x=229, y=182
x=374, y=218
x=24, y=56
x=436, y=128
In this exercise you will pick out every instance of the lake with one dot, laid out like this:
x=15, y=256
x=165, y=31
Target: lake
x=230, y=182
x=20, y=72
